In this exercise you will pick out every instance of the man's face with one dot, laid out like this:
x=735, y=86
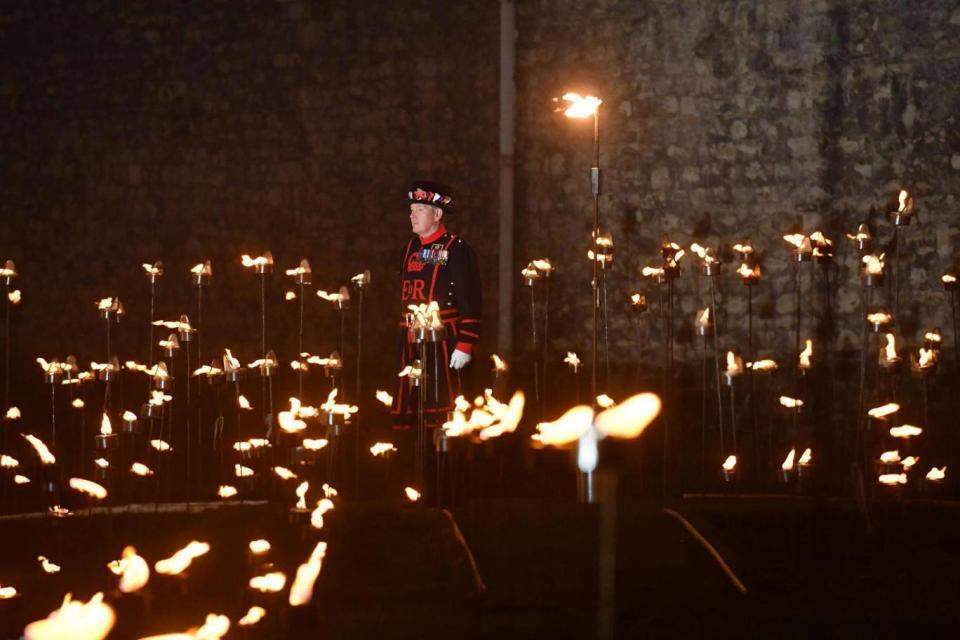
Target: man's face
x=424, y=218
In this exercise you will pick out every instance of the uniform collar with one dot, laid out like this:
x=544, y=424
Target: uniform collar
x=433, y=236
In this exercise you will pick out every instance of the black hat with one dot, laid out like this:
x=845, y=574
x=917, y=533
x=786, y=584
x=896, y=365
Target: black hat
x=435, y=194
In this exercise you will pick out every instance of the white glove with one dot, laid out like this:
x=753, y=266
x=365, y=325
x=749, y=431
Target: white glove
x=459, y=359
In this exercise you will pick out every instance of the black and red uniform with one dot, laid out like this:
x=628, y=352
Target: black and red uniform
x=440, y=267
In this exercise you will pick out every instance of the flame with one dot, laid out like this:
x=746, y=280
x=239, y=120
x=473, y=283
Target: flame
x=905, y=431
x=160, y=445
x=424, y=316
x=862, y=235
x=328, y=491
x=289, y=421
x=385, y=398
x=301, y=492
x=105, y=427
x=904, y=201
x=8, y=462
x=214, y=627
x=182, y=325
x=20, y=479
x=948, y=278
x=873, y=265
x=884, y=410
x=937, y=475
x=157, y=398
x=806, y=354
x=229, y=362
x=412, y=494
x=77, y=403
x=140, y=469
x=734, y=364
x=382, y=448
x=181, y=560
x=339, y=298
x=361, y=279
x=927, y=358
x=301, y=591
x=800, y=242
x=572, y=360
x=330, y=406
x=268, y=583
x=651, y=272
x=909, y=462
x=226, y=491
x=604, y=401
x=13, y=413
x=311, y=444
x=253, y=616
x=88, y=487
x=530, y=272
x=567, y=428
x=411, y=371
x=155, y=269
x=743, y=248
x=704, y=253
x=15, y=296
x=74, y=619
x=703, y=318
x=316, y=516
x=879, y=317
x=53, y=367
x=730, y=464
x=289, y=295
x=267, y=362
x=243, y=403
x=284, y=474
x=47, y=566
x=543, y=265
x=890, y=457
x=629, y=418
x=8, y=270
x=892, y=479
x=788, y=461
x=58, y=512
x=101, y=463
x=259, y=547
x=888, y=352
x=499, y=364
x=805, y=458
x=42, y=451
x=302, y=269
x=578, y=106
x=202, y=269
x=241, y=471
x=503, y=418
x=7, y=593
x=208, y=370
x=260, y=261
x=791, y=403
x=133, y=570
x=745, y=272
x=933, y=336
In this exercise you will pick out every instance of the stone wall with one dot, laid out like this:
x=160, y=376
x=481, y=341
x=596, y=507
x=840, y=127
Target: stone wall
x=181, y=131
x=734, y=120
x=189, y=130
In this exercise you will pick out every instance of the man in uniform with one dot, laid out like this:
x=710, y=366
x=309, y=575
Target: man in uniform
x=437, y=266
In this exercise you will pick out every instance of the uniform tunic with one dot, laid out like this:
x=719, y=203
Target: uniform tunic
x=442, y=268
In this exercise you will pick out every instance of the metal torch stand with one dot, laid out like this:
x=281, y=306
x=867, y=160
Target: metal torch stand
x=422, y=337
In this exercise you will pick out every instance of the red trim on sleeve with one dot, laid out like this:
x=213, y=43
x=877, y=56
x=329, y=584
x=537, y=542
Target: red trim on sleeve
x=465, y=347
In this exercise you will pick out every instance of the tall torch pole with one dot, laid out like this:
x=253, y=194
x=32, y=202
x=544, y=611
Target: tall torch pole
x=595, y=188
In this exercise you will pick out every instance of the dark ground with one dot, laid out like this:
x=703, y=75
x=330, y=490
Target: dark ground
x=395, y=571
